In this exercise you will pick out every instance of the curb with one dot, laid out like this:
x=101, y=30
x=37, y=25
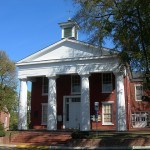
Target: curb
x=104, y=148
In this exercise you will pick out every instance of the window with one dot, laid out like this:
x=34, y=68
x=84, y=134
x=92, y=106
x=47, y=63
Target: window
x=138, y=92
x=67, y=32
x=76, y=85
x=67, y=109
x=76, y=99
x=106, y=82
x=45, y=86
x=107, y=113
x=140, y=119
x=44, y=114
x=5, y=122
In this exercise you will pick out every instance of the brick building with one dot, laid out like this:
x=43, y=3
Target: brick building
x=4, y=119
x=76, y=85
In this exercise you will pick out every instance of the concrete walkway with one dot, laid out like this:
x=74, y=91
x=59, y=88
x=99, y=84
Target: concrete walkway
x=28, y=147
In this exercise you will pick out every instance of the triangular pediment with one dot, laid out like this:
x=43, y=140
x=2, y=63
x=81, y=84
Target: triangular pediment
x=66, y=49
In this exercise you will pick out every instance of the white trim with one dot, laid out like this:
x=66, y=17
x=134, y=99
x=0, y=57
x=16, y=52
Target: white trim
x=43, y=123
x=111, y=83
x=137, y=119
x=62, y=33
x=64, y=60
x=104, y=103
x=108, y=102
x=135, y=91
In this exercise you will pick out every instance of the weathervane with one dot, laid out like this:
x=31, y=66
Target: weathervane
x=69, y=12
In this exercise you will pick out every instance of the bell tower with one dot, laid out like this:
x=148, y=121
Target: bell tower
x=69, y=29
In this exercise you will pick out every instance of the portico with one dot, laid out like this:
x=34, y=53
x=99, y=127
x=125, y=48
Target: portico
x=83, y=68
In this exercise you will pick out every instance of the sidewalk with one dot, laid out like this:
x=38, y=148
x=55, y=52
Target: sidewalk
x=29, y=147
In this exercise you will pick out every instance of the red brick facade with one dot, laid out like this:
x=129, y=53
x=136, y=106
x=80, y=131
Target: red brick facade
x=4, y=120
x=63, y=83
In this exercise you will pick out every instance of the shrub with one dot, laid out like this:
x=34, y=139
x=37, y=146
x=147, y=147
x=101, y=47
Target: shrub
x=13, y=125
x=2, y=131
x=80, y=134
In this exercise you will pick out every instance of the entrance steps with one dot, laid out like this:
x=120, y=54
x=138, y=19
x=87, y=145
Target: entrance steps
x=41, y=137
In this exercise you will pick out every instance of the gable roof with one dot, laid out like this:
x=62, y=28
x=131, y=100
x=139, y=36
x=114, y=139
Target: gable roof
x=67, y=49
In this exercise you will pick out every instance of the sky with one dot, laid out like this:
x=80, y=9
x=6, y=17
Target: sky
x=27, y=26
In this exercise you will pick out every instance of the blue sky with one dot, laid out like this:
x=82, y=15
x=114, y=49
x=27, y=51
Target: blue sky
x=28, y=26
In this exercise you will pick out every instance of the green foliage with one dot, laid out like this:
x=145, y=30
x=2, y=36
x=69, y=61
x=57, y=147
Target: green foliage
x=2, y=131
x=7, y=83
x=126, y=22
x=13, y=125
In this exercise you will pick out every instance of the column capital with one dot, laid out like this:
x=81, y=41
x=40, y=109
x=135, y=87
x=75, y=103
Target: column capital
x=32, y=79
x=53, y=76
x=117, y=73
x=85, y=75
x=23, y=79
x=121, y=70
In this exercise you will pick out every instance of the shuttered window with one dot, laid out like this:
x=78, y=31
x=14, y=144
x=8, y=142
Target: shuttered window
x=44, y=114
x=45, y=86
x=67, y=32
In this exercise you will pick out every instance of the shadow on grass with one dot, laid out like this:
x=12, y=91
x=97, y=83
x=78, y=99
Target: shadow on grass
x=110, y=139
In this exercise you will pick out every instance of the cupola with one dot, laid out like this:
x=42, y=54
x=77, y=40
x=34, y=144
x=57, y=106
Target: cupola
x=69, y=29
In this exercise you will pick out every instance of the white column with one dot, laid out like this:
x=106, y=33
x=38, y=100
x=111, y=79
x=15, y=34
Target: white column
x=51, y=110
x=22, y=118
x=120, y=106
x=85, y=103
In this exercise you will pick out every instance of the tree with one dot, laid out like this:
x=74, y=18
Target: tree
x=125, y=22
x=7, y=83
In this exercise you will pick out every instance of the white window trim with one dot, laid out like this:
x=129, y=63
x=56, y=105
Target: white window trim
x=43, y=123
x=111, y=84
x=137, y=114
x=103, y=103
x=135, y=91
x=43, y=94
x=71, y=86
